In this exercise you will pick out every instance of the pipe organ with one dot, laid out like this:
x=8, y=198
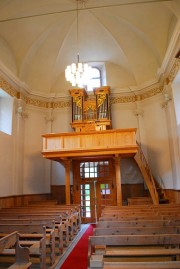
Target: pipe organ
x=91, y=113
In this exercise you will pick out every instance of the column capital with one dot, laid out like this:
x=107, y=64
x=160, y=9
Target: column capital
x=138, y=112
x=20, y=108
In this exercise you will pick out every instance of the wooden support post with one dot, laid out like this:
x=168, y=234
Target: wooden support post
x=67, y=165
x=118, y=181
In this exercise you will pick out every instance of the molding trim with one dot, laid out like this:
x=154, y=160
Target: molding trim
x=8, y=88
x=66, y=102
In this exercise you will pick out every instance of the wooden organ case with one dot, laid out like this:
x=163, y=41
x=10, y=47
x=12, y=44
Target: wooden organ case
x=91, y=113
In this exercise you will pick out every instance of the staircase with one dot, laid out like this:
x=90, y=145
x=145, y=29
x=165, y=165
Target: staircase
x=156, y=192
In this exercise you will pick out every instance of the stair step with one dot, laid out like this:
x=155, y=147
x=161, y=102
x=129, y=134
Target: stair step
x=164, y=201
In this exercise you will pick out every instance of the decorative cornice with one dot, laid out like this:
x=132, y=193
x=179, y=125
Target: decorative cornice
x=66, y=103
x=61, y=104
x=137, y=97
x=174, y=70
x=123, y=99
x=8, y=88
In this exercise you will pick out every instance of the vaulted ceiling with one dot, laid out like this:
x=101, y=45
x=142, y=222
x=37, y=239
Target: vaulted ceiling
x=133, y=40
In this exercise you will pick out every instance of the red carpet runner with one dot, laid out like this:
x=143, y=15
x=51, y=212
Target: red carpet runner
x=78, y=258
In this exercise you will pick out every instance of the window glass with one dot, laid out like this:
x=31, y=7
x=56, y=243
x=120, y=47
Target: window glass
x=94, y=169
x=6, y=109
x=95, y=80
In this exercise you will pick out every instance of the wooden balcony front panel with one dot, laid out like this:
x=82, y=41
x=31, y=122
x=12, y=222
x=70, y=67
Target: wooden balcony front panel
x=99, y=143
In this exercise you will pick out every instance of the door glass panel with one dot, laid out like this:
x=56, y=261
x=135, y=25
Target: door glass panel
x=105, y=194
x=85, y=201
x=95, y=189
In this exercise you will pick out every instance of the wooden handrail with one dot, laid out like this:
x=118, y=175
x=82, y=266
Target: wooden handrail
x=149, y=179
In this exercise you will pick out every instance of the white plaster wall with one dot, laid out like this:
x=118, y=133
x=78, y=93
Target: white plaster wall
x=35, y=174
x=155, y=125
x=60, y=124
x=11, y=157
x=176, y=96
x=130, y=173
x=123, y=116
x=176, y=99
x=155, y=141
x=36, y=168
x=62, y=120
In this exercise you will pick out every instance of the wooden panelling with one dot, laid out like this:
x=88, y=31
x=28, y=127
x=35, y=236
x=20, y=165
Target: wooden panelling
x=58, y=193
x=133, y=190
x=173, y=196
x=109, y=142
x=21, y=200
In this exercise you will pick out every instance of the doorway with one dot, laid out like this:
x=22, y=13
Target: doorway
x=93, y=188
x=94, y=196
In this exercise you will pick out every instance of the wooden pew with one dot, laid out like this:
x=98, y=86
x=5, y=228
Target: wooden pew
x=21, y=253
x=131, y=218
x=66, y=215
x=171, y=241
x=57, y=218
x=50, y=224
x=69, y=214
x=137, y=230
x=33, y=236
x=142, y=265
x=137, y=223
x=73, y=211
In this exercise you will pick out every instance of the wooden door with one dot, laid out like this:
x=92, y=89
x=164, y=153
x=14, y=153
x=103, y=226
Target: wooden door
x=105, y=195
x=94, y=187
x=88, y=202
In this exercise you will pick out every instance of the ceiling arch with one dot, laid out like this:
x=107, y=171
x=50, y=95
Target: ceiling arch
x=132, y=38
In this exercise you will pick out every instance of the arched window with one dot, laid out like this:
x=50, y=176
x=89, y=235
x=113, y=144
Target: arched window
x=6, y=110
x=95, y=80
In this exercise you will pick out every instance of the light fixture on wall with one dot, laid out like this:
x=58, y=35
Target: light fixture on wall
x=78, y=73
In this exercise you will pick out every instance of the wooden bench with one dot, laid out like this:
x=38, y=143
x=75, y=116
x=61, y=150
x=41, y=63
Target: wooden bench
x=74, y=208
x=21, y=253
x=142, y=265
x=21, y=212
x=137, y=223
x=58, y=219
x=137, y=230
x=67, y=212
x=131, y=218
x=32, y=236
x=149, y=241
x=50, y=223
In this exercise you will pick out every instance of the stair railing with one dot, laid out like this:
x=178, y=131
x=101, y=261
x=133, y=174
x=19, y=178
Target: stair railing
x=151, y=183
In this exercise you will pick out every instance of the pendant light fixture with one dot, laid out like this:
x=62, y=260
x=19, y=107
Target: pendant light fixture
x=78, y=74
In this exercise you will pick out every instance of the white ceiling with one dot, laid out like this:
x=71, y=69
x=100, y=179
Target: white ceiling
x=133, y=39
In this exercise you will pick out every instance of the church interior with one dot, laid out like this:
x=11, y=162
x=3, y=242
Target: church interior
x=90, y=132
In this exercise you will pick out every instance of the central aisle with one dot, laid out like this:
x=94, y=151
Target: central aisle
x=76, y=255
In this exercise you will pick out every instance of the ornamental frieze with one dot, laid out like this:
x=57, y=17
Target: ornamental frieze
x=8, y=88
x=12, y=91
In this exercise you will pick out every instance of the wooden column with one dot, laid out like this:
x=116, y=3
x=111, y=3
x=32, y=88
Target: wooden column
x=118, y=181
x=67, y=165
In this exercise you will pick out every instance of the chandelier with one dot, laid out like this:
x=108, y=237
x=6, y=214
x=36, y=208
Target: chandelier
x=78, y=74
